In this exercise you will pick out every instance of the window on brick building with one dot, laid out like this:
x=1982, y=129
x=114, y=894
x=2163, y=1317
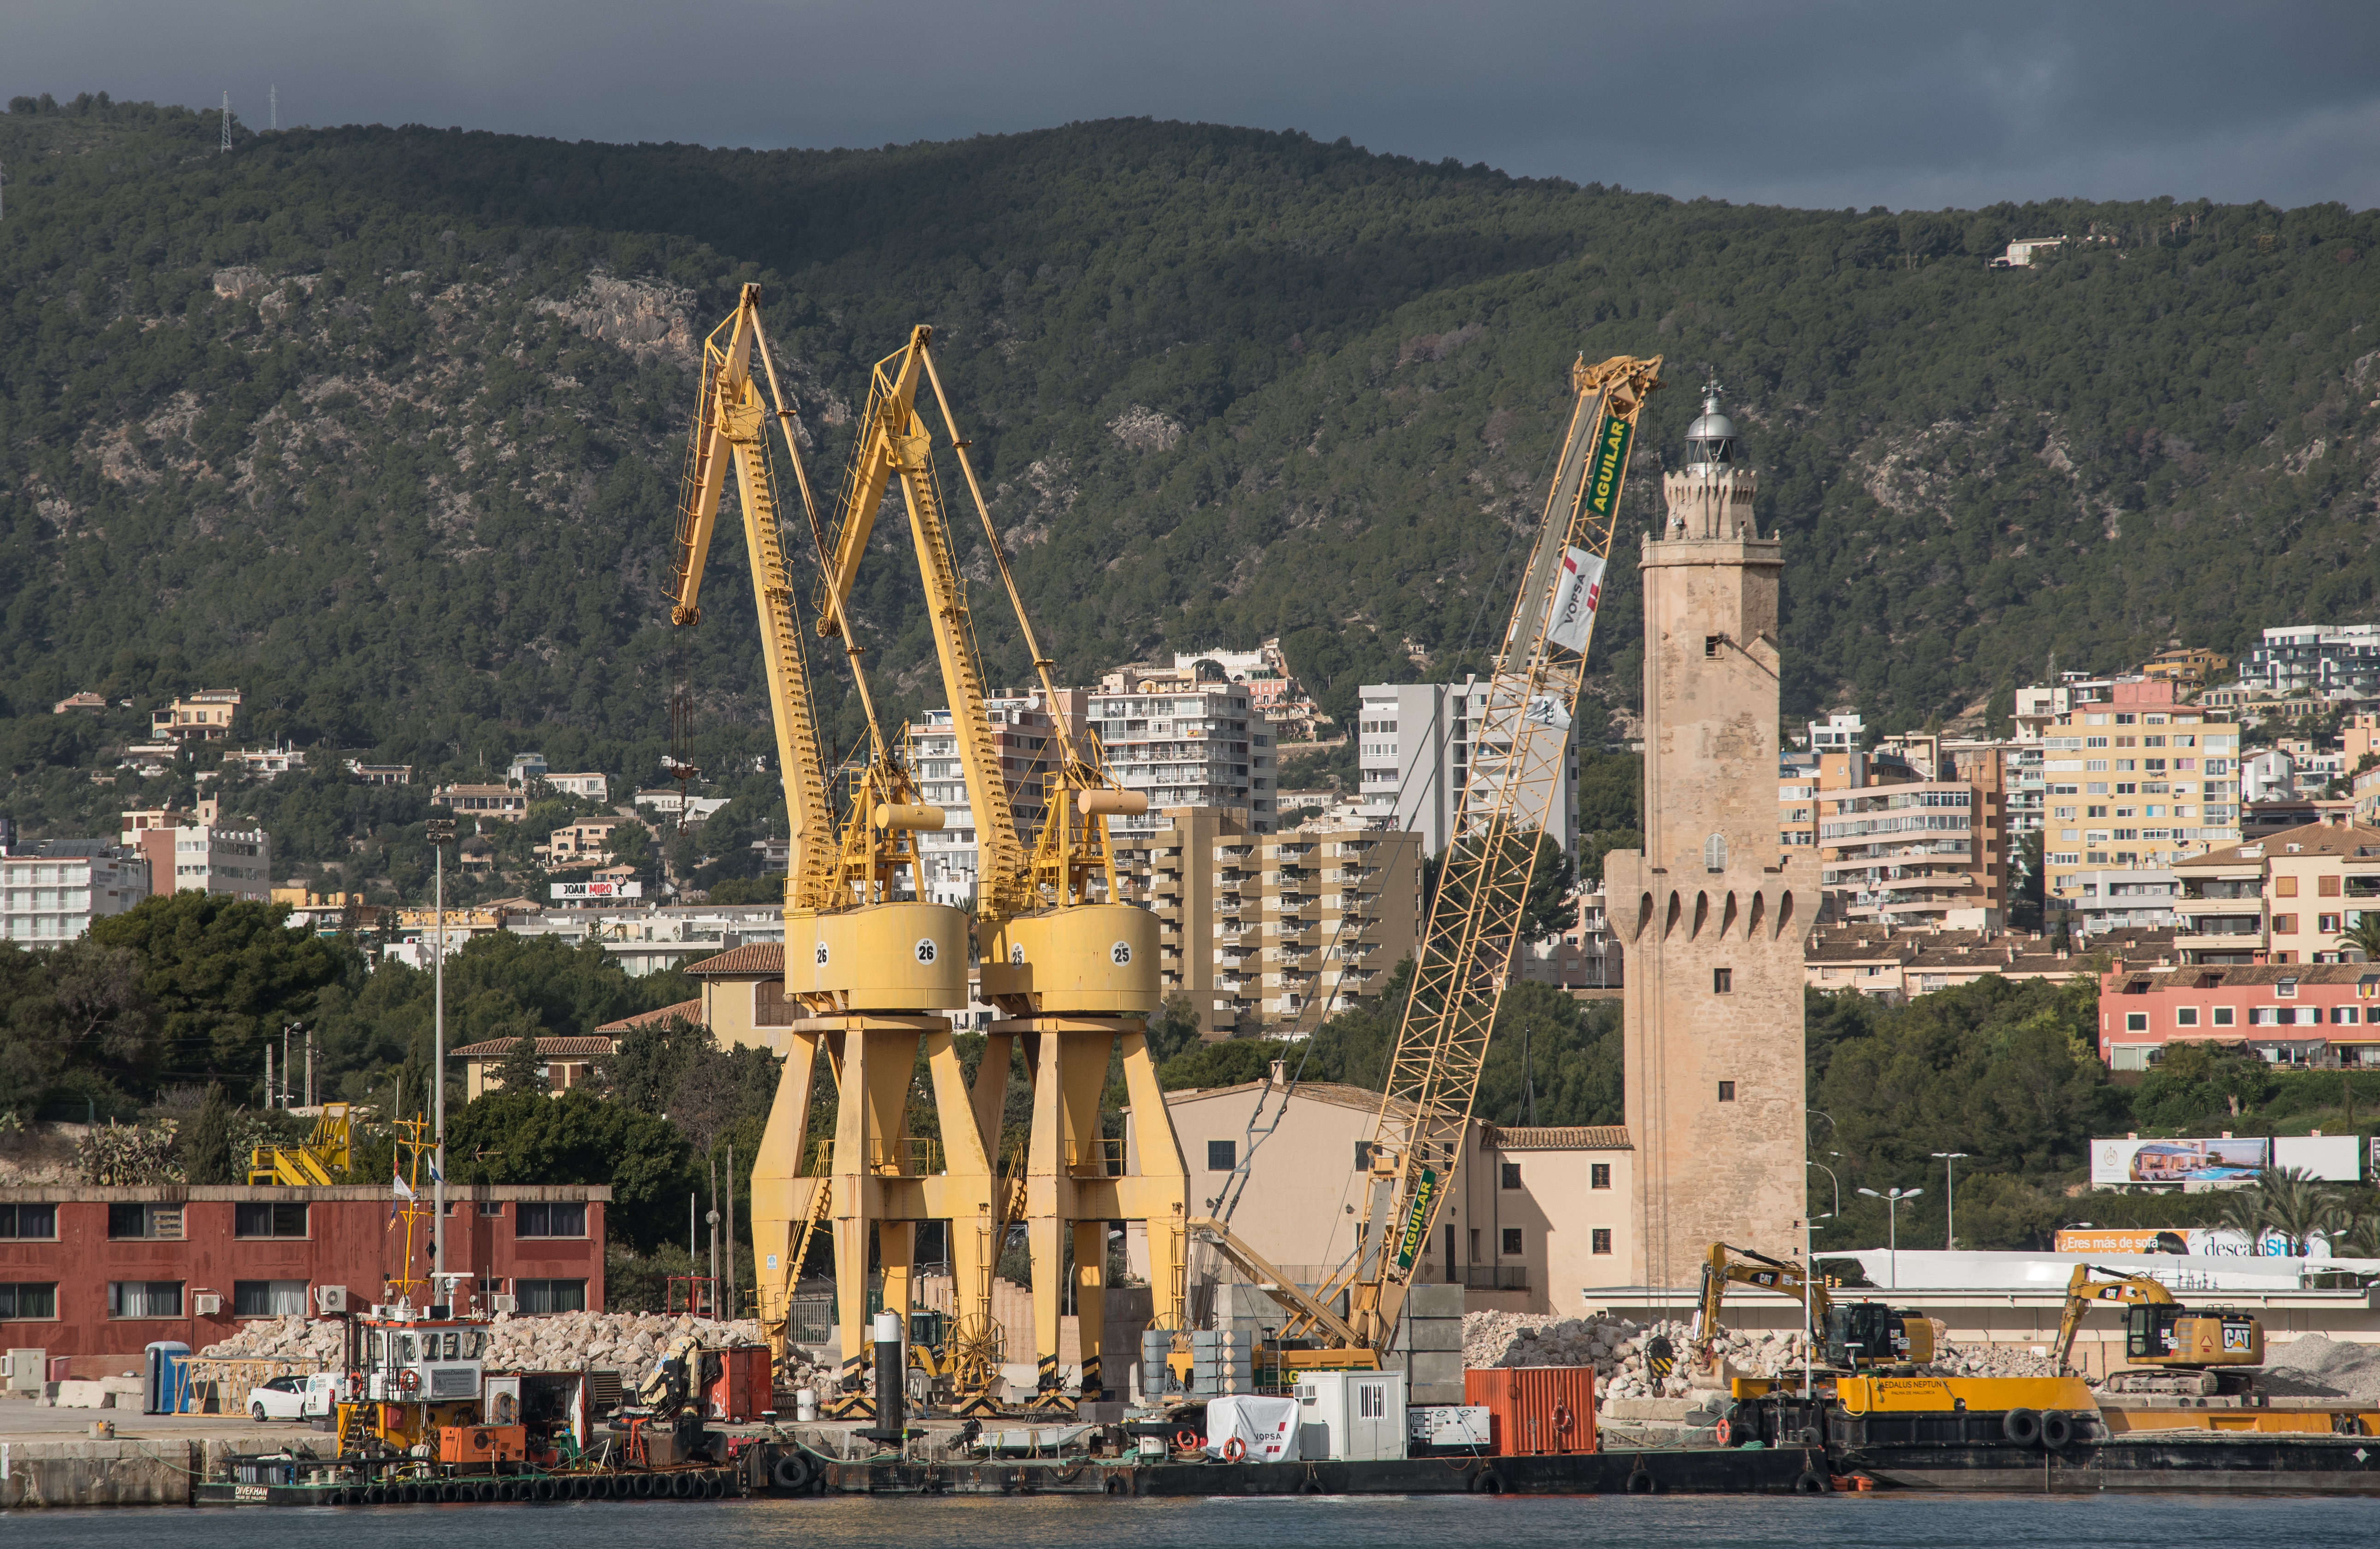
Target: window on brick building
x=28, y=1299
x=268, y=1219
x=539, y=1219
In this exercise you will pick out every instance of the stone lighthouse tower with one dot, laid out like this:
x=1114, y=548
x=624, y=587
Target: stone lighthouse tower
x=1714, y=912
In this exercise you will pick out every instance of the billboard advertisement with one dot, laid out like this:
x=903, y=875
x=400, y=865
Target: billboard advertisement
x=2179, y=1161
x=2332, y=1158
x=598, y=890
x=2203, y=1241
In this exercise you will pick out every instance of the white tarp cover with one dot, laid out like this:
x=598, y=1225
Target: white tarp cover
x=1268, y=1426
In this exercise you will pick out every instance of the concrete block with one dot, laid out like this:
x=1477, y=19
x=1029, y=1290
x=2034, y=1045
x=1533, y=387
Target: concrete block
x=1672, y=1410
x=1434, y=1299
x=154, y=1472
x=78, y=1395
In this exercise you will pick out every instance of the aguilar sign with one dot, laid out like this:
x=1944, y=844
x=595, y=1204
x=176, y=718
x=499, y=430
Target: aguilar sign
x=584, y=890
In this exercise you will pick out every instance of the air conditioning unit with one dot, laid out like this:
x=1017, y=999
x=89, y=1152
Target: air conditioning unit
x=206, y=1304
x=504, y=1303
x=329, y=1300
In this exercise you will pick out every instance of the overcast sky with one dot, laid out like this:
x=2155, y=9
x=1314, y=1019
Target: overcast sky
x=1815, y=104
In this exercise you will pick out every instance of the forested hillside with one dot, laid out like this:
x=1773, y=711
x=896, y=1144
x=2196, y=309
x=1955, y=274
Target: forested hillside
x=384, y=426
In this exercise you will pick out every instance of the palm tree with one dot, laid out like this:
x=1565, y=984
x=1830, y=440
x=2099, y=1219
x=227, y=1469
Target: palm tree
x=2363, y=934
x=2362, y=1237
x=2288, y=1202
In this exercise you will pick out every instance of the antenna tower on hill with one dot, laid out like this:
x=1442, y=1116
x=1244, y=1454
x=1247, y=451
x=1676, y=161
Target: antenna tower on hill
x=226, y=124
x=273, y=97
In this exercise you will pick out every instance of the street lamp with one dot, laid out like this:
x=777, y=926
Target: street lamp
x=1949, y=1197
x=1892, y=1198
x=1831, y=1179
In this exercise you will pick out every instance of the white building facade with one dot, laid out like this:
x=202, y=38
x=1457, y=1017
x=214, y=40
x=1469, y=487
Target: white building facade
x=51, y=893
x=1415, y=744
x=1188, y=747
x=235, y=862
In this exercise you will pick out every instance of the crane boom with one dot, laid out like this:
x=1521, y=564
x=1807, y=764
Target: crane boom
x=1474, y=921
x=729, y=427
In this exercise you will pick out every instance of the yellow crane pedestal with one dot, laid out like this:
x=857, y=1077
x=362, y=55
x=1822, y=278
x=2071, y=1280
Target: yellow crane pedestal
x=1079, y=1180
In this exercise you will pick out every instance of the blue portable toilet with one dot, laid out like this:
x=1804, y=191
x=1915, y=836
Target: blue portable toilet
x=166, y=1376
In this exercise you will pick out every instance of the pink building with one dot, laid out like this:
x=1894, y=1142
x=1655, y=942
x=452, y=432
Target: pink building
x=2313, y=1015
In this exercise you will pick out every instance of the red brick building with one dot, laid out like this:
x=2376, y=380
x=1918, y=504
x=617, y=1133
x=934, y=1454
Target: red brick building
x=97, y=1273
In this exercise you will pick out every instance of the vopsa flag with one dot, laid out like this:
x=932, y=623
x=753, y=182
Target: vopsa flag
x=1578, y=592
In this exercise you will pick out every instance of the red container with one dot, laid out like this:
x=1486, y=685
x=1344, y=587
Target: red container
x=1535, y=1410
x=743, y=1391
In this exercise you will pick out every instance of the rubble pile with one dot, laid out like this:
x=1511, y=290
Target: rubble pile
x=1988, y=1360
x=1615, y=1348
x=628, y=1343
x=2314, y=1366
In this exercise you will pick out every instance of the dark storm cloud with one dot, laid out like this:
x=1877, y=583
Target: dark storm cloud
x=1826, y=104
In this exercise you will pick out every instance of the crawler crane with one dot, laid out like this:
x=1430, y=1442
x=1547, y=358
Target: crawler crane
x=868, y=972
x=1473, y=929
x=1074, y=971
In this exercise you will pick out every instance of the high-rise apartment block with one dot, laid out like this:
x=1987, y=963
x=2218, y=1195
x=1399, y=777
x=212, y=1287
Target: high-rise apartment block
x=51, y=892
x=1713, y=913
x=1273, y=930
x=1202, y=746
x=1416, y=747
x=1024, y=731
x=2136, y=782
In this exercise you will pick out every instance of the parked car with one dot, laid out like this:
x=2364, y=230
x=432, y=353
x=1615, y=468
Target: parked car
x=299, y=1398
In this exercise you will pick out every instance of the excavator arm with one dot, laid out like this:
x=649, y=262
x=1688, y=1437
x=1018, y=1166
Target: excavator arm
x=2082, y=1290
x=1474, y=921
x=1729, y=1266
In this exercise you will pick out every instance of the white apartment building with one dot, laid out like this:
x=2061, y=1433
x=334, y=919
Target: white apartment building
x=525, y=767
x=235, y=862
x=52, y=892
x=1025, y=732
x=1415, y=744
x=2316, y=659
x=1840, y=732
x=1203, y=747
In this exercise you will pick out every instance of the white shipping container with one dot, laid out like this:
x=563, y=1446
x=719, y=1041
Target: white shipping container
x=1351, y=1416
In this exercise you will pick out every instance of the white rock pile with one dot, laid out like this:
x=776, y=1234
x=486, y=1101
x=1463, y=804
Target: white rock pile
x=628, y=1343
x=1988, y=1360
x=1615, y=1348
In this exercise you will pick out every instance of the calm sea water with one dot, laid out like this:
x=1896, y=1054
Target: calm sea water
x=1887, y=1521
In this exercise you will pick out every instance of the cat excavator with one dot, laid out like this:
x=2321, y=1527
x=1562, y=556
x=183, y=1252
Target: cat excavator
x=2173, y=1348
x=1473, y=930
x=1071, y=967
x=1850, y=1336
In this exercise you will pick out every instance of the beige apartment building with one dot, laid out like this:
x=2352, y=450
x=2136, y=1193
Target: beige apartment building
x=2284, y=898
x=2137, y=782
x=1272, y=929
x=1536, y=1219
x=203, y=716
x=1897, y=844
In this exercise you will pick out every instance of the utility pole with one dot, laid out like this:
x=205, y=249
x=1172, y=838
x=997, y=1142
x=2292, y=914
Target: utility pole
x=1949, y=1197
x=273, y=95
x=1892, y=1198
x=731, y=1229
x=441, y=831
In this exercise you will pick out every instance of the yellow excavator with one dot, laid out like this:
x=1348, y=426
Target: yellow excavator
x=1467, y=953
x=1072, y=969
x=2172, y=1349
x=1850, y=1336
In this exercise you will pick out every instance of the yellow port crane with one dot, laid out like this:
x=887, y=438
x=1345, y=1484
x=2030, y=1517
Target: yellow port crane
x=1466, y=955
x=1073, y=966
x=871, y=970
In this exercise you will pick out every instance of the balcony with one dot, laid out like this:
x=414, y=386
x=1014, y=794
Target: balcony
x=1496, y=1276
x=2220, y=925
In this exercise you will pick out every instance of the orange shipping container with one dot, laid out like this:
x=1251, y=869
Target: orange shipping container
x=1534, y=1411
x=482, y=1444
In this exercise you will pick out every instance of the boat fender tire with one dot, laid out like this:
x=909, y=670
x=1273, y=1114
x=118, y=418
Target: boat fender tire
x=790, y=1472
x=1812, y=1436
x=1641, y=1482
x=2021, y=1426
x=2057, y=1430
x=402, y=1493
x=487, y=1490
x=648, y=1486
x=1114, y=1484
x=1809, y=1481
x=1485, y=1482
x=336, y=1497
x=683, y=1486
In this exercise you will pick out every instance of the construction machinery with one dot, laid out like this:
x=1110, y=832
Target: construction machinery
x=326, y=1156
x=871, y=969
x=2172, y=1349
x=1853, y=1336
x=1074, y=968
x=1466, y=955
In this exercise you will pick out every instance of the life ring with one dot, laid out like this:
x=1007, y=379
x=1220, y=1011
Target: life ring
x=1234, y=1450
x=1564, y=1419
x=408, y=1380
x=1189, y=1441
x=1722, y=1433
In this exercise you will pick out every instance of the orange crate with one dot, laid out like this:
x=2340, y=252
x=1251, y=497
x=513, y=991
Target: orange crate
x=1535, y=1410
